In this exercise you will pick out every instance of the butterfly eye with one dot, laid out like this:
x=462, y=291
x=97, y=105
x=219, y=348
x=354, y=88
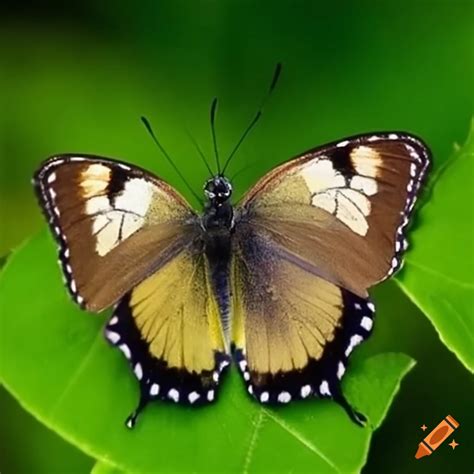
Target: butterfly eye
x=218, y=187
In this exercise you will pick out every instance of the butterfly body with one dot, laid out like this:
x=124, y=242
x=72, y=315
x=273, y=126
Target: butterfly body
x=279, y=283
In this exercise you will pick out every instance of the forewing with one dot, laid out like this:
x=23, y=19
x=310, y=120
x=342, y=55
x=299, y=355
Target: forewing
x=114, y=222
x=342, y=209
x=169, y=328
x=293, y=330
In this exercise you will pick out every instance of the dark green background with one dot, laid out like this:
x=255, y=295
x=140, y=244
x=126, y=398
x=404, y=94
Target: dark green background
x=77, y=78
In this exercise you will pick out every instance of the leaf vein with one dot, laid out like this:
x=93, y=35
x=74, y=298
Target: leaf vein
x=77, y=373
x=253, y=441
x=299, y=437
x=440, y=275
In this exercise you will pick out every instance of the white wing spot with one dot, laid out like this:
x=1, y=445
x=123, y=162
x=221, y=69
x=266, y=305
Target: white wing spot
x=340, y=370
x=94, y=180
x=210, y=395
x=138, y=370
x=366, y=323
x=136, y=196
x=366, y=160
x=368, y=186
x=173, y=394
x=305, y=391
x=353, y=216
x=126, y=350
x=154, y=389
x=325, y=200
x=284, y=397
x=321, y=175
x=355, y=340
x=97, y=204
x=264, y=397
x=193, y=396
x=413, y=153
x=324, y=388
x=112, y=336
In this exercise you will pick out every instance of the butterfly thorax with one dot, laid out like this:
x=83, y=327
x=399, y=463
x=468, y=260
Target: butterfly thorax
x=218, y=211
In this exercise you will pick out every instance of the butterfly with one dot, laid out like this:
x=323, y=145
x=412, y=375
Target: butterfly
x=278, y=283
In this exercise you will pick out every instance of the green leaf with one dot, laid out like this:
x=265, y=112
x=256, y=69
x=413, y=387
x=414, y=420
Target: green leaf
x=439, y=274
x=102, y=467
x=55, y=361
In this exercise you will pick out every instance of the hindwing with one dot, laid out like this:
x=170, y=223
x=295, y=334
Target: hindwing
x=170, y=330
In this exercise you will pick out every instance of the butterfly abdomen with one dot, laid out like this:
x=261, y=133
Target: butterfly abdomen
x=218, y=252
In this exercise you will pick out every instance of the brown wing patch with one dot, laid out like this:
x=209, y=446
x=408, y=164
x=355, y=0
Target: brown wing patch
x=343, y=208
x=115, y=224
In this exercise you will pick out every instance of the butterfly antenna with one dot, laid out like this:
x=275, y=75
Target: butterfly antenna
x=213, y=131
x=200, y=152
x=276, y=76
x=242, y=170
x=170, y=161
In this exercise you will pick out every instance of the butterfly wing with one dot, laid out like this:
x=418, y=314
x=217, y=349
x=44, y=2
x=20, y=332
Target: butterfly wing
x=169, y=328
x=310, y=238
x=126, y=236
x=342, y=209
x=114, y=223
x=293, y=330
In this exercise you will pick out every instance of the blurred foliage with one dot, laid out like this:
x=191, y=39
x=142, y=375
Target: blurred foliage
x=28, y=447
x=76, y=76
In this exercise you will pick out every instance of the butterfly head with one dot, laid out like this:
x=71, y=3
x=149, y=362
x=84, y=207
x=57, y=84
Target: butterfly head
x=218, y=189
